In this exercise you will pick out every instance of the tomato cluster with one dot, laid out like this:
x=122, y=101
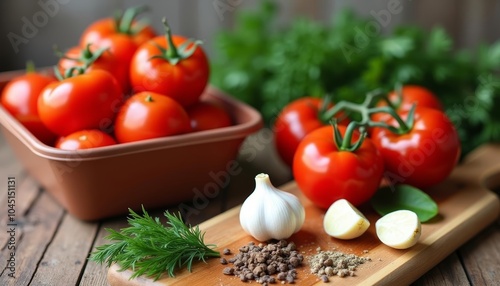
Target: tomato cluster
x=406, y=138
x=121, y=83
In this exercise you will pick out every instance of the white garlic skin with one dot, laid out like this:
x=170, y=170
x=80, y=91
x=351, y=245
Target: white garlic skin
x=269, y=213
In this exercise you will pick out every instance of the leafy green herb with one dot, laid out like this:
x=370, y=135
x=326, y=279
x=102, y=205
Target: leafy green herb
x=268, y=65
x=148, y=247
x=404, y=197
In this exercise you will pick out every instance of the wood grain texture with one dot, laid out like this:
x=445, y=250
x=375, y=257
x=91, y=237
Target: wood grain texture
x=63, y=260
x=34, y=234
x=466, y=207
x=95, y=274
x=480, y=256
x=448, y=272
x=27, y=191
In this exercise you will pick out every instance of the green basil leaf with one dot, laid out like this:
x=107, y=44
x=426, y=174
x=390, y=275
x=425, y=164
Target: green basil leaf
x=404, y=197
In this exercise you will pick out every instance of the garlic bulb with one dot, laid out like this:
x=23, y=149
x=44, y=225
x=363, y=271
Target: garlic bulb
x=269, y=213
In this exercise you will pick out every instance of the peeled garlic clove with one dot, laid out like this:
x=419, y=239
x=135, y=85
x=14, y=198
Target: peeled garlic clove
x=343, y=220
x=400, y=229
x=269, y=213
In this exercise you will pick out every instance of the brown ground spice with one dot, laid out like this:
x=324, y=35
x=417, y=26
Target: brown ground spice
x=334, y=263
x=266, y=264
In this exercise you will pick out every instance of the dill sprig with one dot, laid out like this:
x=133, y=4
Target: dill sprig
x=150, y=248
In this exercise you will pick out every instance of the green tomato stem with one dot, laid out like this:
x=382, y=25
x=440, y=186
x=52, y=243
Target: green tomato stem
x=74, y=71
x=30, y=67
x=58, y=74
x=172, y=53
x=344, y=144
x=86, y=53
x=367, y=108
x=404, y=126
x=399, y=97
x=124, y=21
x=87, y=58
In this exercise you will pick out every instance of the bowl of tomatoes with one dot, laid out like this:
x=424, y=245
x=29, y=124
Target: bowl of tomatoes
x=125, y=118
x=100, y=182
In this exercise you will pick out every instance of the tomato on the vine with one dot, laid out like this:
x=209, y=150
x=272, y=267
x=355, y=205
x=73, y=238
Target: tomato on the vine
x=147, y=115
x=325, y=172
x=85, y=101
x=206, y=115
x=406, y=97
x=85, y=139
x=422, y=156
x=295, y=121
x=20, y=97
x=171, y=65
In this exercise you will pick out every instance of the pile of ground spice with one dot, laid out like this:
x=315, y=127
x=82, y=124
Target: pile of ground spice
x=266, y=264
x=334, y=263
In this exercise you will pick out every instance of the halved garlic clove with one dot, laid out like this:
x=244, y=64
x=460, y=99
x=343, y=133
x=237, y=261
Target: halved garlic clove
x=400, y=229
x=343, y=220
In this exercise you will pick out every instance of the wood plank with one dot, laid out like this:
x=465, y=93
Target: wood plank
x=27, y=191
x=66, y=255
x=95, y=274
x=9, y=166
x=481, y=256
x=447, y=273
x=465, y=205
x=33, y=235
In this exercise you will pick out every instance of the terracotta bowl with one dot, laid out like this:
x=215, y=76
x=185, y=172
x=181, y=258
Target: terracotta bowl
x=102, y=182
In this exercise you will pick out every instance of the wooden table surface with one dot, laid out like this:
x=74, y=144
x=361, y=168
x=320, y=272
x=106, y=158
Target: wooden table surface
x=52, y=247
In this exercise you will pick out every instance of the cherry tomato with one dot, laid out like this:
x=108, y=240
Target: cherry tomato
x=425, y=155
x=325, y=174
x=295, y=121
x=167, y=67
x=20, y=97
x=86, y=101
x=148, y=115
x=85, y=139
x=107, y=61
x=206, y=115
x=410, y=94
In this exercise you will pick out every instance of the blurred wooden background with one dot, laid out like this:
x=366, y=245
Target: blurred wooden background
x=61, y=22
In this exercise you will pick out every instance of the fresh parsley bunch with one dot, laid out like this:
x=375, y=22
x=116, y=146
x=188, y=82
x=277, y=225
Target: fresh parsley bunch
x=268, y=66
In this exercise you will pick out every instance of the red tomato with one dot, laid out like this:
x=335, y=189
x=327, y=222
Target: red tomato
x=206, y=115
x=85, y=139
x=325, y=174
x=425, y=155
x=107, y=30
x=107, y=61
x=182, y=77
x=410, y=94
x=295, y=121
x=121, y=38
x=148, y=115
x=86, y=101
x=20, y=97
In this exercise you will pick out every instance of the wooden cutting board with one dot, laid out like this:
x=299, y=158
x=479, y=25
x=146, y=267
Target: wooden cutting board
x=466, y=206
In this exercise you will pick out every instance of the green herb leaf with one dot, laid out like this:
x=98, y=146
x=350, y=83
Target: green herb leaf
x=404, y=197
x=150, y=248
x=268, y=64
